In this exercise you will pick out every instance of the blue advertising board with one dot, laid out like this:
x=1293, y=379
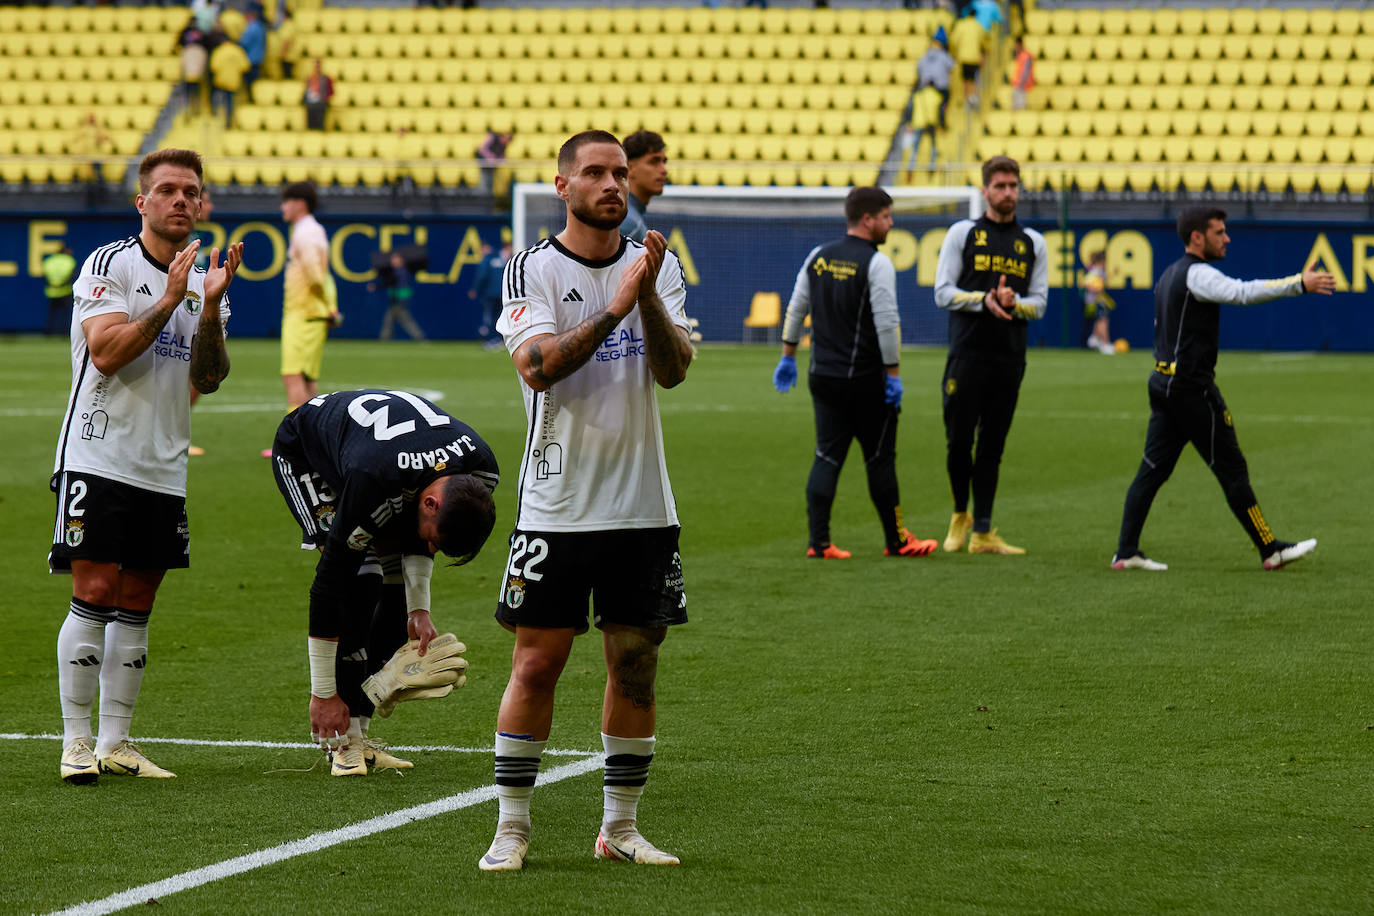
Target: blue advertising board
x=727, y=259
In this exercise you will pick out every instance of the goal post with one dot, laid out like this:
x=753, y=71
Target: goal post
x=741, y=246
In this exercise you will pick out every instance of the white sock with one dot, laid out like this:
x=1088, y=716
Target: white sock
x=627, y=769
x=126, y=654
x=517, y=766
x=80, y=648
x=363, y=723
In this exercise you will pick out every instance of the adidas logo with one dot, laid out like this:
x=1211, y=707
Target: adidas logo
x=573, y=296
x=87, y=662
x=139, y=662
x=145, y=290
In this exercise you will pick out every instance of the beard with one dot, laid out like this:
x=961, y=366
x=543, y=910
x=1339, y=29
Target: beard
x=1005, y=207
x=174, y=234
x=583, y=214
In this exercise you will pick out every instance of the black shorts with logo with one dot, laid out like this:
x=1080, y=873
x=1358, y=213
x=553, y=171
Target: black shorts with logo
x=634, y=578
x=310, y=499
x=106, y=521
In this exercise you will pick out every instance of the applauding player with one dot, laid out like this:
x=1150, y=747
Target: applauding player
x=375, y=479
x=993, y=278
x=148, y=327
x=593, y=321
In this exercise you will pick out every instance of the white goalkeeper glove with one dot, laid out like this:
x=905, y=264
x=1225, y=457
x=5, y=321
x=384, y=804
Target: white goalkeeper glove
x=409, y=676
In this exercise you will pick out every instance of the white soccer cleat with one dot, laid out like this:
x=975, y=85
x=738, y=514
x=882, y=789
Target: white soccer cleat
x=348, y=760
x=78, y=763
x=377, y=757
x=1287, y=553
x=508, y=848
x=629, y=846
x=1138, y=560
x=127, y=760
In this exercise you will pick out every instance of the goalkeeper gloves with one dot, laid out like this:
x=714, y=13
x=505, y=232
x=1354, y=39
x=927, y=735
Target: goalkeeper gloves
x=785, y=376
x=409, y=676
x=892, y=390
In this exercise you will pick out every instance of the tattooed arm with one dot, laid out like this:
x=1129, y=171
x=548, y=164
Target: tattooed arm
x=209, y=358
x=666, y=345
x=549, y=358
x=115, y=339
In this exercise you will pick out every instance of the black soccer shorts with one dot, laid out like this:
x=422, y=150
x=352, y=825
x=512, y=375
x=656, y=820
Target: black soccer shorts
x=634, y=578
x=106, y=521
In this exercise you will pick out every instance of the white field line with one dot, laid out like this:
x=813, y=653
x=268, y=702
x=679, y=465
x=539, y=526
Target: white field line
x=136, y=896
x=199, y=742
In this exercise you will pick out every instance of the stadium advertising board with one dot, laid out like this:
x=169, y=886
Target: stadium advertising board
x=729, y=258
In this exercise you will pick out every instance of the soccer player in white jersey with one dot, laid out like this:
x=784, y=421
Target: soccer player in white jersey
x=593, y=321
x=146, y=322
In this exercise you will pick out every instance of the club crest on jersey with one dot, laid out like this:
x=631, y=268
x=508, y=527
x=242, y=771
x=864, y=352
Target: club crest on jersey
x=76, y=533
x=1018, y=246
x=950, y=386
x=324, y=517
x=192, y=302
x=359, y=539
x=515, y=592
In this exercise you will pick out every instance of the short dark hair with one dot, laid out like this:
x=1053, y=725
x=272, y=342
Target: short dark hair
x=1197, y=219
x=184, y=158
x=567, y=153
x=1098, y=255
x=466, y=517
x=302, y=190
x=863, y=202
x=1000, y=164
x=642, y=143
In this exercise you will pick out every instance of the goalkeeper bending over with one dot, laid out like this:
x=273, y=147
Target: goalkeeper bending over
x=379, y=481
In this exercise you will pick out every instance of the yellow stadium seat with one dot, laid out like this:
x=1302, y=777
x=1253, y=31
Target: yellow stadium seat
x=1227, y=72
x=1346, y=22
x=1208, y=47
x=1257, y=149
x=1230, y=149
x=1269, y=21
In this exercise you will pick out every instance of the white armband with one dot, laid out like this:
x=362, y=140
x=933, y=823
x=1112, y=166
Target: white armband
x=323, y=654
x=415, y=571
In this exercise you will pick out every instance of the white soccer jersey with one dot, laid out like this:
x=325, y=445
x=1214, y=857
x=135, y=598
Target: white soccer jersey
x=593, y=456
x=133, y=426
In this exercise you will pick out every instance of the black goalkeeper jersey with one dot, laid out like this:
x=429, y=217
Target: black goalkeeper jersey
x=378, y=450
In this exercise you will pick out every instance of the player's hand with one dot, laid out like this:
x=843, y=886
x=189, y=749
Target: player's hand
x=178, y=272
x=627, y=291
x=785, y=376
x=218, y=276
x=892, y=390
x=328, y=720
x=420, y=626
x=654, y=246
x=999, y=300
x=1317, y=282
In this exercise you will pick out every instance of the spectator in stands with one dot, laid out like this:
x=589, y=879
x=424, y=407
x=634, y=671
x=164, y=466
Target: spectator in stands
x=933, y=69
x=92, y=141
x=966, y=44
x=194, y=58
x=492, y=155
x=228, y=64
x=319, y=89
x=648, y=157
x=59, y=268
x=288, y=48
x=486, y=290
x=206, y=14
x=923, y=115
x=397, y=285
x=1097, y=302
x=987, y=12
x=1022, y=75
x=254, y=44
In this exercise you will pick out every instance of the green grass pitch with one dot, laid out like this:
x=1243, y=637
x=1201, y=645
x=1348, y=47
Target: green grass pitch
x=954, y=734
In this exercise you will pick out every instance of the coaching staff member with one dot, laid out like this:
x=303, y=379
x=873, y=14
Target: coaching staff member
x=992, y=277
x=849, y=288
x=1185, y=405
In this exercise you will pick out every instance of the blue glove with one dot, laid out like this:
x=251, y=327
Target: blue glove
x=785, y=376
x=892, y=390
